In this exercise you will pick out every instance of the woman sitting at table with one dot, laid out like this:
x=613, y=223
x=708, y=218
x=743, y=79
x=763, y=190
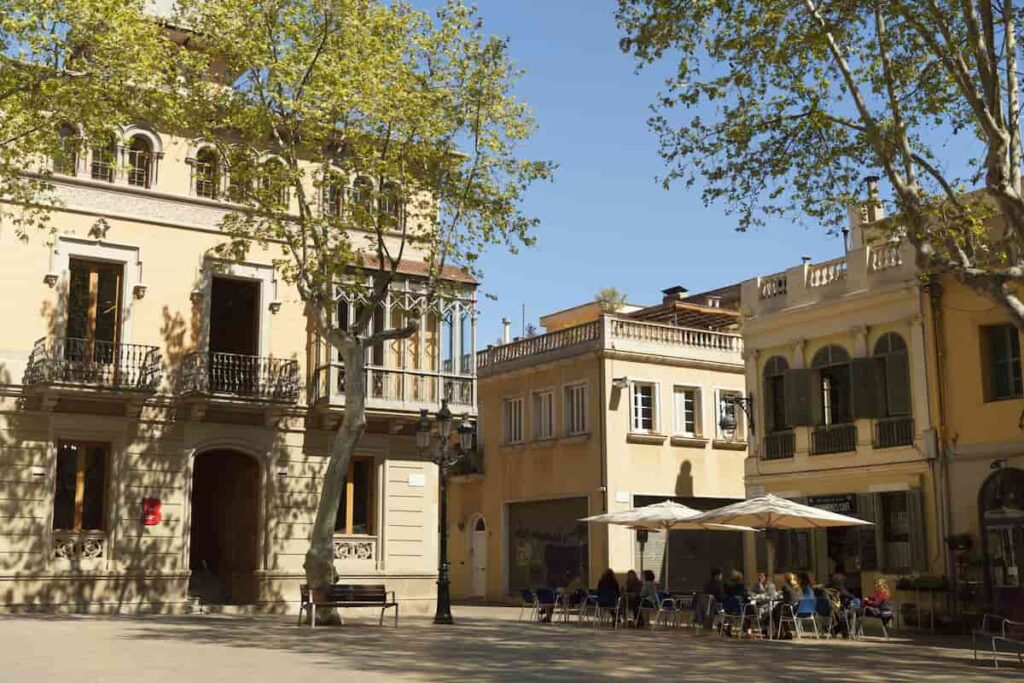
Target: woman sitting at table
x=877, y=604
x=761, y=587
x=734, y=586
x=648, y=596
x=791, y=594
x=631, y=593
x=806, y=587
x=608, y=590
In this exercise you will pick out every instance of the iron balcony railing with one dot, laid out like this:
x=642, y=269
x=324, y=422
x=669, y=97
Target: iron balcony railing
x=840, y=438
x=778, y=446
x=89, y=362
x=232, y=374
x=894, y=431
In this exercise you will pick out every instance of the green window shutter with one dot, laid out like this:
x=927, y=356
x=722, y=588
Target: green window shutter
x=820, y=549
x=798, y=388
x=867, y=537
x=879, y=529
x=915, y=520
x=866, y=388
x=768, y=404
x=897, y=384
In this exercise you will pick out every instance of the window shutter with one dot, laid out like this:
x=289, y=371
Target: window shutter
x=897, y=383
x=867, y=511
x=915, y=521
x=820, y=545
x=798, y=387
x=867, y=391
x=879, y=529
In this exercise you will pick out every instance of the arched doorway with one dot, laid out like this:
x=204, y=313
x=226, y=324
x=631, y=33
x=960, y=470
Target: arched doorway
x=224, y=536
x=478, y=557
x=1001, y=508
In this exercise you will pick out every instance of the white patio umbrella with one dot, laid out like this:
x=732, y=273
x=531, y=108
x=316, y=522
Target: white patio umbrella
x=664, y=516
x=772, y=512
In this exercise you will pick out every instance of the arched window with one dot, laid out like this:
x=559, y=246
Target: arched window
x=362, y=200
x=206, y=173
x=274, y=181
x=333, y=194
x=65, y=161
x=104, y=158
x=894, y=368
x=390, y=204
x=775, y=394
x=140, y=161
x=833, y=365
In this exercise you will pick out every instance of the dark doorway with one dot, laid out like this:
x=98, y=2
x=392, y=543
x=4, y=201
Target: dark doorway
x=234, y=316
x=225, y=528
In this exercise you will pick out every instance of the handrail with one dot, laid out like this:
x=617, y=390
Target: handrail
x=604, y=331
x=73, y=360
x=216, y=372
x=827, y=272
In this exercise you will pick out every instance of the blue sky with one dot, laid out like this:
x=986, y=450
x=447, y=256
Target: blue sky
x=605, y=221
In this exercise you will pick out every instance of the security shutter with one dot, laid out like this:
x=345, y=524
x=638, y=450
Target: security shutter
x=897, y=383
x=915, y=520
x=867, y=389
x=798, y=387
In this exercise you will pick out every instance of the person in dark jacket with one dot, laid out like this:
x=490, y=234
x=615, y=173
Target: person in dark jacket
x=714, y=587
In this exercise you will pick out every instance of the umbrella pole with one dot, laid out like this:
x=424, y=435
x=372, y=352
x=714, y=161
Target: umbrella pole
x=668, y=538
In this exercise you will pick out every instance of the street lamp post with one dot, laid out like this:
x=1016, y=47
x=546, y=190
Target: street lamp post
x=727, y=420
x=444, y=459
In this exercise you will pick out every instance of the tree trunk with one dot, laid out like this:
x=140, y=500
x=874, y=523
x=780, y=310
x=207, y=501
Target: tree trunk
x=319, y=564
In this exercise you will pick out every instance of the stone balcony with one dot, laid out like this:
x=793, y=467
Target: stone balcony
x=614, y=335
x=866, y=268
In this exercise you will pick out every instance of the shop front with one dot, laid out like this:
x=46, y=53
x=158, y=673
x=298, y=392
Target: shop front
x=1001, y=510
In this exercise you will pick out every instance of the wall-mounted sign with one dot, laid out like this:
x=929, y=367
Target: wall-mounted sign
x=417, y=480
x=843, y=504
x=151, y=511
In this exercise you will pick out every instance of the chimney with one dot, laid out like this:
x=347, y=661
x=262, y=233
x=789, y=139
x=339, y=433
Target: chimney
x=677, y=293
x=506, y=330
x=875, y=211
x=865, y=213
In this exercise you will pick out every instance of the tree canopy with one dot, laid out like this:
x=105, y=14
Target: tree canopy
x=360, y=135
x=782, y=107
x=70, y=73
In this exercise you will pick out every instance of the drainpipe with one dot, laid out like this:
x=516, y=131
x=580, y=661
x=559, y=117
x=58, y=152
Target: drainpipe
x=933, y=291
x=603, y=434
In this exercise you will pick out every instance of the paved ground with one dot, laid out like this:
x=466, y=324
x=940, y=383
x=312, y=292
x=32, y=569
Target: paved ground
x=487, y=644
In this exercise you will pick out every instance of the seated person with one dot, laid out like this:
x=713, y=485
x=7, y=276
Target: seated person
x=631, y=592
x=714, y=586
x=648, y=596
x=761, y=587
x=735, y=587
x=791, y=593
x=877, y=604
x=608, y=590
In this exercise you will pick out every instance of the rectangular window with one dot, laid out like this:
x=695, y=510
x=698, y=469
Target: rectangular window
x=93, y=311
x=729, y=413
x=1001, y=349
x=644, y=403
x=687, y=411
x=543, y=415
x=576, y=409
x=355, y=512
x=896, y=531
x=512, y=420
x=81, y=486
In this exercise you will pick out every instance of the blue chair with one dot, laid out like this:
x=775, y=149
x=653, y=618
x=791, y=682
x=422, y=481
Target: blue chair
x=528, y=601
x=806, y=610
x=546, y=600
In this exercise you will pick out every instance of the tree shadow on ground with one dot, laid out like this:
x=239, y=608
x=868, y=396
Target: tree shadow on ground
x=487, y=649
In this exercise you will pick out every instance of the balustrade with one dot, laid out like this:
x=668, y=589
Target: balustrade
x=823, y=274
x=71, y=360
x=774, y=285
x=778, y=446
x=894, y=431
x=884, y=257
x=262, y=378
x=841, y=438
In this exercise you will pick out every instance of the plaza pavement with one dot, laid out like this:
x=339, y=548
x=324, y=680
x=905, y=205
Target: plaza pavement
x=487, y=644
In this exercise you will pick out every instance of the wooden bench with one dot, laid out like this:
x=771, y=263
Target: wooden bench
x=348, y=595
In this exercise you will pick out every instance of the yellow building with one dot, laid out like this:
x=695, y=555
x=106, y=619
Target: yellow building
x=601, y=413
x=837, y=358
x=979, y=404
x=165, y=416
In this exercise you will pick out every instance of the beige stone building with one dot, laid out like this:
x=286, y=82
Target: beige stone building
x=165, y=416
x=837, y=362
x=601, y=413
